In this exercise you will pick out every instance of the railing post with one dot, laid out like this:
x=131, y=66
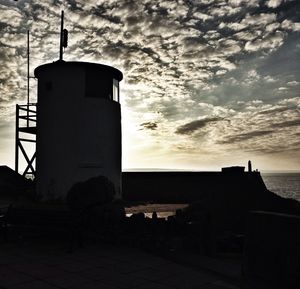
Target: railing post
x=17, y=140
x=28, y=78
x=21, y=120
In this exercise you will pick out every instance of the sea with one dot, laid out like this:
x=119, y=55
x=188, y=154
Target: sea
x=286, y=185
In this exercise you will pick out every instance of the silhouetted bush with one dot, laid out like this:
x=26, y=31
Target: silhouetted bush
x=93, y=192
x=93, y=209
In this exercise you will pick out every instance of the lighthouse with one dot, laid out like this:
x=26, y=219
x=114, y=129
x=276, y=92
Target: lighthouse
x=78, y=132
x=78, y=126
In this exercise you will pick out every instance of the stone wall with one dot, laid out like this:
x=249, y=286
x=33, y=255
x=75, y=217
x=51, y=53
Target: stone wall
x=272, y=251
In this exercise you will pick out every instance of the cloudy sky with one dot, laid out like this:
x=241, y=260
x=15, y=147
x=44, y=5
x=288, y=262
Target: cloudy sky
x=207, y=83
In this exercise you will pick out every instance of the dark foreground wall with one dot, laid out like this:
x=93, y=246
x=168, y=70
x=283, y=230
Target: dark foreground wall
x=186, y=187
x=272, y=251
x=226, y=197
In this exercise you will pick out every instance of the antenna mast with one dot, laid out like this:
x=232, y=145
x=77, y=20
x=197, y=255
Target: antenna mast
x=61, y=36
x=28, y=78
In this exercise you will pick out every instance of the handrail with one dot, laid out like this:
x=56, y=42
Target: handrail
x=25, y=113
x=29, y=104
x=27, y=110
x=28, y=117
x=25, y=117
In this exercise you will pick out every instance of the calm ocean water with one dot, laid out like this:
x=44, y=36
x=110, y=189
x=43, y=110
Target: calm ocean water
x=284, y=184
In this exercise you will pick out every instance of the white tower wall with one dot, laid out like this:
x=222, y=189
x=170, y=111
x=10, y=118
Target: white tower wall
x=78, y=127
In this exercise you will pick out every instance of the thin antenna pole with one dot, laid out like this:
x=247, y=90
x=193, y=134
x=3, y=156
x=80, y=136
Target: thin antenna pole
x=28, y=78
x=61, y=36
x=17, y=140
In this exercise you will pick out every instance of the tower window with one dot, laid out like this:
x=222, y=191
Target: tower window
x=116, y=90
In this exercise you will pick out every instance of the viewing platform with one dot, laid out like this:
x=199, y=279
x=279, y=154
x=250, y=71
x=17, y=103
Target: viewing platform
x=26, y=118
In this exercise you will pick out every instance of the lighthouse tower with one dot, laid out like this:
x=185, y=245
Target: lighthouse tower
x=78, y=126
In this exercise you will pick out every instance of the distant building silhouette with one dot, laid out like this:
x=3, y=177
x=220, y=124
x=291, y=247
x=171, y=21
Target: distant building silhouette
x=233, y=169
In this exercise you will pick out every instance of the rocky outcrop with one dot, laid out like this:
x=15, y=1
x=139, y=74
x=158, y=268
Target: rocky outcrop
x=14, y=186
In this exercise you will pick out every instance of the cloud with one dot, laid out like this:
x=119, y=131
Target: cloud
x=276, y=110
x=149, y=125
x=224, y=10
x=273, y=3
x=246, y=136
x=289, y=123
x=282, y=88
x=269, y=42
x=259, y=19
x=293, y=83
x=202, y=16
x=290, y=25
x=189, y=67
x=195, y=125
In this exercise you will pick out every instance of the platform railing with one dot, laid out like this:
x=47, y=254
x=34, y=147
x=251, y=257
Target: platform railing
x=25, y=124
